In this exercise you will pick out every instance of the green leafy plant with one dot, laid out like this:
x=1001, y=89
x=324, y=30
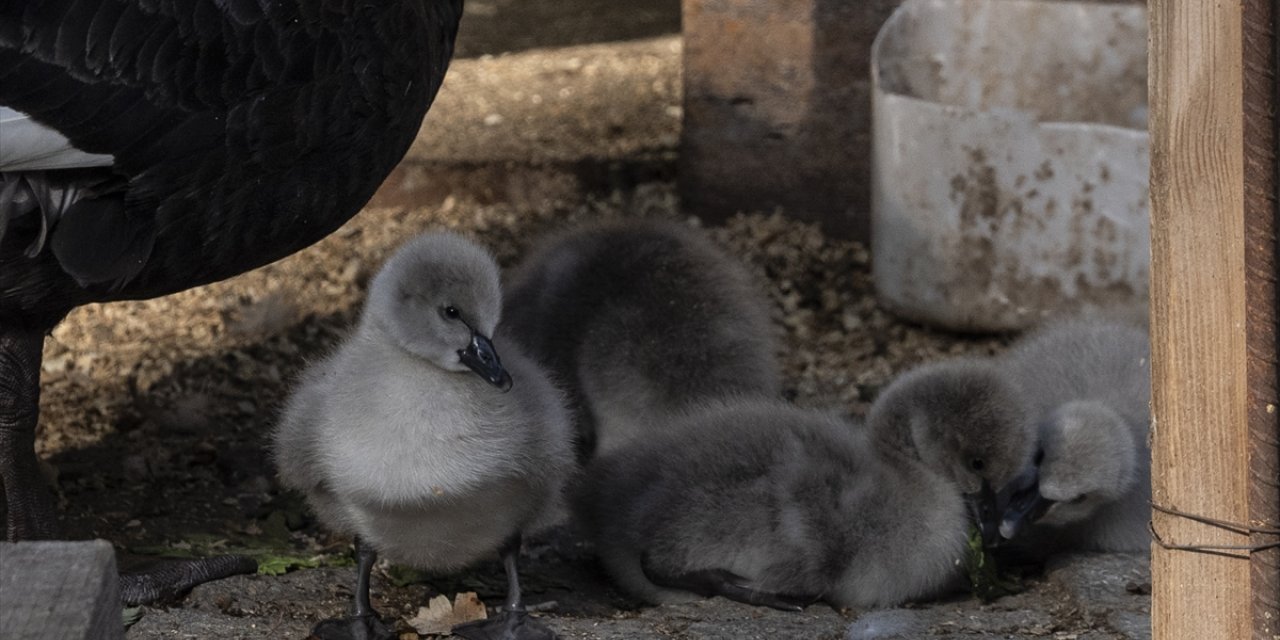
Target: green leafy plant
x=986, y=581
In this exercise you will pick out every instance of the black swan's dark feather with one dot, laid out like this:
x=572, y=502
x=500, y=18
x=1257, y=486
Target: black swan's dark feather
x=241, y=132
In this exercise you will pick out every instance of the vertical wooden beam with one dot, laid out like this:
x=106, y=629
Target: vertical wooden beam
x=1200, y=436
x=1261, y=101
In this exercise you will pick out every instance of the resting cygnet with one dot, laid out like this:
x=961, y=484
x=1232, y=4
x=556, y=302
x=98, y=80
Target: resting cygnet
x=964, y=419
x=1090, y=382
x=407, y=437
x=638, y=318
x=769, y=504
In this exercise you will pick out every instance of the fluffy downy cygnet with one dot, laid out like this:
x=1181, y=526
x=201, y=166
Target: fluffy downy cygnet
x=1089, y=382
x=413, y=437
x=769, y=504
x=640, y=318
x=964, y=419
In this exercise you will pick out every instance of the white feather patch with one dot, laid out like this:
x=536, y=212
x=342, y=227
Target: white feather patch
x=26, y=145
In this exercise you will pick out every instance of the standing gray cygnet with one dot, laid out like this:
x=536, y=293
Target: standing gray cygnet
x=769, y=504
x=413, y=438
x=638, y=318
x=963, y=418
x=1089, y=381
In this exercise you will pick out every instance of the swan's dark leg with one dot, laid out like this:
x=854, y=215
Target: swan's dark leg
x=363, y=623
x=30, y=513
x=29, y=509
x=719, y=582
x=168, y=579
x=514, y=623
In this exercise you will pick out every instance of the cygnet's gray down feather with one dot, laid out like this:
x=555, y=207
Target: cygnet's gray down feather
x=789, y=501
x=1088, y=381
x=638, y=318
x=393, y=438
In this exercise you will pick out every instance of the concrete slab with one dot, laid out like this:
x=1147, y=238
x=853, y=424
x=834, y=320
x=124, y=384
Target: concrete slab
x=59, y=591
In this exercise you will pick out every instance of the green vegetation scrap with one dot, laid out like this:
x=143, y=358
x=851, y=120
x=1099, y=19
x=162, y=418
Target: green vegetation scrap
x=986, y=581
x=272, y=547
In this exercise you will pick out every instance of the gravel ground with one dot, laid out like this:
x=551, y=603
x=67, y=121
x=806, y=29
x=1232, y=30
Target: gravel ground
x=155, y=413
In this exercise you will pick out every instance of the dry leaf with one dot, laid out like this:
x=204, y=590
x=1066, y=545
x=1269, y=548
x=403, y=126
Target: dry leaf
x=435, y=618
x=467, y=607
x=439, y=617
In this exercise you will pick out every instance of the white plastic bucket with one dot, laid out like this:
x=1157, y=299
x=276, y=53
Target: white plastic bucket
x=1010, y=160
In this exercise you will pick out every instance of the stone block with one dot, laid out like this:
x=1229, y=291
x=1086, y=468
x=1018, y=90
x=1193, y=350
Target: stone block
x=59, y=591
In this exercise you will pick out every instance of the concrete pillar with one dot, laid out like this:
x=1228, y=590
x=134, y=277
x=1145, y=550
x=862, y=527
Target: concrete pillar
x=777, y=108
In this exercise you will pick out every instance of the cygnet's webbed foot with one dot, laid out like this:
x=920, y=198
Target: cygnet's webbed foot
x=366, y=627
x=363, y=623
x=719, y=582
x=508, y=625
x=514, y=623
x=169, y=579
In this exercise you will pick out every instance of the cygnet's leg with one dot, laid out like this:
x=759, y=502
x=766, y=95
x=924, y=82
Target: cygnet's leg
x=363, y=623
x=719, y=582
x=28, y=507
x=514, y=623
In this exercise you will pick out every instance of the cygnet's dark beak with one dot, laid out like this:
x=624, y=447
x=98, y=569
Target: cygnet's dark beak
x=985, y=511
x=1025, y=504
x=481, y=357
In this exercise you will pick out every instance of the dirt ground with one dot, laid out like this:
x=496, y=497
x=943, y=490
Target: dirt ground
x=155, y=414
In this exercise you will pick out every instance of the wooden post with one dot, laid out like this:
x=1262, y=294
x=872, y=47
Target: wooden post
x=1213, y=314
x=1261, y=80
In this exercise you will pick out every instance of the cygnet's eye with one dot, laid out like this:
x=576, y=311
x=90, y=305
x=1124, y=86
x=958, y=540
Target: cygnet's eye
x=449, y=313
x=977, y=464
x=1039, y=457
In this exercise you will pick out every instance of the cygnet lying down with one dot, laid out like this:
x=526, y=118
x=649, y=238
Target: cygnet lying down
x=414, y=438
x=769, y=504
x=637, y=319
x=1089, y=382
